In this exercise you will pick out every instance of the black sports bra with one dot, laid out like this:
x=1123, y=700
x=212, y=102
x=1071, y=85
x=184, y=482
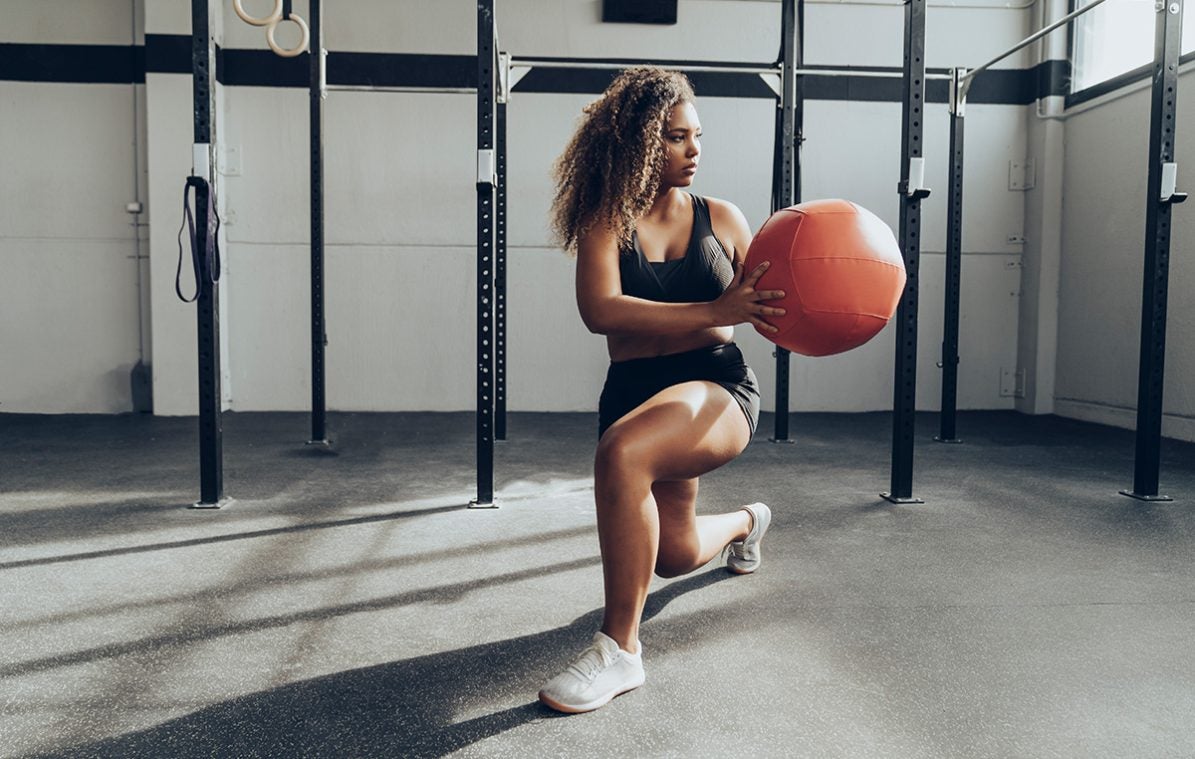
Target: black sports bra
x=701, y=275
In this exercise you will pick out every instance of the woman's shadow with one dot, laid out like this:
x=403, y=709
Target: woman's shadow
x=406, y=708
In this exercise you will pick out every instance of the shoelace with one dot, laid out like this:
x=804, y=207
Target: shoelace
x=589, y=664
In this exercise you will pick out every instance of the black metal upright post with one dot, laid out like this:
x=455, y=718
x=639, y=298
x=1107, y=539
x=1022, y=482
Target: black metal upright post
x=954, y=266
x=785, y=188
x=486, y=180
x=203, y=89
x=1162, y=195
x=319, y=335
x=500, y=280
x=912, y=175
x=798, y=96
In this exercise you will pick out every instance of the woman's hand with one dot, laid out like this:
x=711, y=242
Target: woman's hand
x=741, y=302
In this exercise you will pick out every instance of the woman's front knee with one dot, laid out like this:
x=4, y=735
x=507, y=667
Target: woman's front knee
x=618, y=453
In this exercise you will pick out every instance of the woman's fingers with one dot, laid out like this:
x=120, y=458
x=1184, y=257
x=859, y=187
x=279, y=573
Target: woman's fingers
x=756, y=273
x=761, y=324
x=770, y=311
x=769, y=294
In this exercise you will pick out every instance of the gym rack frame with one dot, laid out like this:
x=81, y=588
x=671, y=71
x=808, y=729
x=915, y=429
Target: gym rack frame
x=1162, y=195
x=496, y=75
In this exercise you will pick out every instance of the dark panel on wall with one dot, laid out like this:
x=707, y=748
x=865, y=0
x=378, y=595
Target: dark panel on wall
x=639, y=11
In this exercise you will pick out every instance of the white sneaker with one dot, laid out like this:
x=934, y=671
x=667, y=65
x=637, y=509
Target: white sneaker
x=743, y=556
x=600, y=673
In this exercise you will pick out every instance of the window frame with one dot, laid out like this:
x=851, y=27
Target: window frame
x=1108, y=85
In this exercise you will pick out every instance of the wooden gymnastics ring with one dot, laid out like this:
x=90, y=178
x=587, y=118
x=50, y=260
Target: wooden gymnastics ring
x=273, y=18
x=302, y=46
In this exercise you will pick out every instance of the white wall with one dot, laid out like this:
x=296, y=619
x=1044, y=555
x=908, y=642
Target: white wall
x=400, y=210
x=1099, y=319
x=70, y=316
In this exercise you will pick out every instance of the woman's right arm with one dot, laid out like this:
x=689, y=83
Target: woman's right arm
x=607, y=311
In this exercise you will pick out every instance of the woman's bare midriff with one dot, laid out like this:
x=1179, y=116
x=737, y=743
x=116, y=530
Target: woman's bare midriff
x=627, y=347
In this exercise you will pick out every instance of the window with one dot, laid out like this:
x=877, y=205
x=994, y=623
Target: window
x=1116, y=38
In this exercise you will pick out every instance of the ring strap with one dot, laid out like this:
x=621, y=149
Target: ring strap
x=211, y=253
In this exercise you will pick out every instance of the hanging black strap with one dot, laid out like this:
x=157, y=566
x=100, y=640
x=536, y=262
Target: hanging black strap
x=211, y=252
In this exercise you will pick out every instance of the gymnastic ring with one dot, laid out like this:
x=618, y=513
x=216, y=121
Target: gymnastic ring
x=273, y=18
x=295, y=50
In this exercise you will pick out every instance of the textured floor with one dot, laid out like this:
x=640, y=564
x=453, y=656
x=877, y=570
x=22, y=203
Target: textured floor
x=348, y=604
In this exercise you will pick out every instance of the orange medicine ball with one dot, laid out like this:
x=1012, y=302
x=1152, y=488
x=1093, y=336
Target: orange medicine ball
x=841, y=271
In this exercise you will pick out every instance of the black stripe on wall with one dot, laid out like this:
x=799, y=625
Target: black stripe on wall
x=1053, y=78
x=402, y=69
x=261, y=68
x=171, y=54
x=87, y=64
x=595, y=81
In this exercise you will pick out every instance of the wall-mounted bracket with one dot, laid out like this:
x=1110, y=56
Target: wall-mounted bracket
x=201, y=160
x=323, y=73
x=487, y=172
x=504, y=83
x=958, y=91
x=1170, y=193
x=775, y=82
x=914, y=187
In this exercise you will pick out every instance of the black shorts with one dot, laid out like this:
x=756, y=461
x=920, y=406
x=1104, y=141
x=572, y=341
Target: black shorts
x=630, y=383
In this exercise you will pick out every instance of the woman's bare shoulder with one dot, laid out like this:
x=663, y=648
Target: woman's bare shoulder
x=597, y=239
x=729, y=222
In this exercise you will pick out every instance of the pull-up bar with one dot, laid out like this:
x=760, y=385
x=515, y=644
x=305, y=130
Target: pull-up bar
x=964, y=80
x=762, y=70
x=865, y=74
x=386, y=88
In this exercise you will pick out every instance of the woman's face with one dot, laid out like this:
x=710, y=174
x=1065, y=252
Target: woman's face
x=682, y=140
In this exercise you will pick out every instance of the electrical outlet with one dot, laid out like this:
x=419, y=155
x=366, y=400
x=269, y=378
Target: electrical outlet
x=1015, y=239
x=1018, y=385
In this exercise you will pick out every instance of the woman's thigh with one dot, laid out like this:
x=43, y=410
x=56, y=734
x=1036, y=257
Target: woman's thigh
x=679, y=433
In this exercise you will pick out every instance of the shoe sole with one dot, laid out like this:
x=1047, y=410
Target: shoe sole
x=587, y=707
x=742, y=570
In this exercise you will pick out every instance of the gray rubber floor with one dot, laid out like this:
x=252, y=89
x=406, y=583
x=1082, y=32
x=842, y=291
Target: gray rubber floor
x=349, y=604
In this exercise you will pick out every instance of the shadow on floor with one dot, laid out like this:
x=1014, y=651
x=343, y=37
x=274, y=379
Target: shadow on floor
x=388, y=516
x=406, y=708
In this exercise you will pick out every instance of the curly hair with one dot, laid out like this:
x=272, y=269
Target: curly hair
x=611, y=169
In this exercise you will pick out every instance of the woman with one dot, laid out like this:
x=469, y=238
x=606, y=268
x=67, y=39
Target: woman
x=659, y=272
